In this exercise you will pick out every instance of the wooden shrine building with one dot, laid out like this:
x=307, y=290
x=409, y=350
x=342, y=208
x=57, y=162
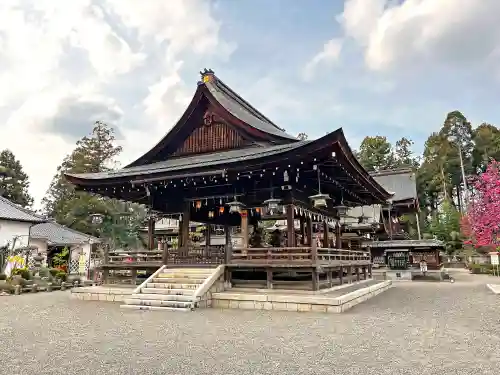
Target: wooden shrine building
x=225, y=163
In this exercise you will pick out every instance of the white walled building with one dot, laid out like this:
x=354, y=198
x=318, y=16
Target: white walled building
x=16, y=224
x=20, y=227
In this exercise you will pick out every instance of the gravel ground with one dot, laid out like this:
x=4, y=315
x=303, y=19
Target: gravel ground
x=414, y=328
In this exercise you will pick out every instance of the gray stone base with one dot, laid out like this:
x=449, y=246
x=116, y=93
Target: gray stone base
x=398, y=275
x=297, y=302
x=101, y=293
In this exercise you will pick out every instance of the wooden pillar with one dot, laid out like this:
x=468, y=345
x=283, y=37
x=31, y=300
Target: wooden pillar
x=228, y=245
x=244, y=228
x=341, y=275
x=349, y=274
x=186, y=215
x=105, y=271
x=228, y=253
x=309, y=231
x=179, y=235
x=338, y=237
x=134, y=276
x=315, y=279
x=269, y=278
x=364, y=273
x=370, y=271
x=290, y=225
x=357, y=274
x=208, y=236
x=325, y=235
x=151, y=233
x=314, y=259
x=302, y=231
x=329, y=277
x=165, y=253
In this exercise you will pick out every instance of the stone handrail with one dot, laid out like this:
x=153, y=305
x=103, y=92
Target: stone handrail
x=148, y=280
x=209, y=281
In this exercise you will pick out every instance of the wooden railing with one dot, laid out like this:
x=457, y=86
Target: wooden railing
x=299, y=256
x=213, y=255
x=133, y=257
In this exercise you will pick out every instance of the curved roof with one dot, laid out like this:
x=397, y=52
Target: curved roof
x=218, y=93
x=236, y=158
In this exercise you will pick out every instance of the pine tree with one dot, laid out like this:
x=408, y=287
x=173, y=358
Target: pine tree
x=94, y=153
x=14, y=181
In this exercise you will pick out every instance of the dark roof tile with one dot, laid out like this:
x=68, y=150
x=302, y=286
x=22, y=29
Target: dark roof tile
x=57, y=234
x=11, y=211
x=241, y=109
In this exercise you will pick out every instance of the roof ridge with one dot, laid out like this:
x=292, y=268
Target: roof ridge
x=254, y=111
x=386, y=172
x=22, y=209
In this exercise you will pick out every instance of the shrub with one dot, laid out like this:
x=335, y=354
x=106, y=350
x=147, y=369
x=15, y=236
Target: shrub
x=23, y=272
x=54, y=271
x=61, y=275
x=481, y=268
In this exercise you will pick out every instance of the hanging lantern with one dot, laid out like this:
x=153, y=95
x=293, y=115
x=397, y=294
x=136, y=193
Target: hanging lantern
x=221, y=210
x=97, y=218
x=341, y=210
x=257, y=210
x=198, y=205
x=319, y=200
x=272, y=203
x=210, y=214
x=235, y=206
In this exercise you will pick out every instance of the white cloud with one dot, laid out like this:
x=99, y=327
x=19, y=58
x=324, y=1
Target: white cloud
x=415, y=32
x=65, y=63
x=329, y=54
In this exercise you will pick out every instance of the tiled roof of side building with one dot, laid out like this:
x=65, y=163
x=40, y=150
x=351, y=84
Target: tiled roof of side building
x=57, y=234
x=401, y=182
x=241, y=109
x=13, y=212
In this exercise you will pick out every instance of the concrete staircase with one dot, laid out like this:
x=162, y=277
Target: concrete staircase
x=169, y=289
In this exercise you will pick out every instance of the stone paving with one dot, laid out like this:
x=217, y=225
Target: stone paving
x=413, y=328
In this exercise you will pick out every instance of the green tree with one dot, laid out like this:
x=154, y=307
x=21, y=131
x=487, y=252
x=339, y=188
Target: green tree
x=486, y=139
x=457, y=140
x=445, y=226
x=375, y=153
x=403, y=154
x=94, y=153
x=14, y=182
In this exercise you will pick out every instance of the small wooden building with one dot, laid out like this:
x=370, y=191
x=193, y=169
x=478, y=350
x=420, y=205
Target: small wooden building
x=226, y=163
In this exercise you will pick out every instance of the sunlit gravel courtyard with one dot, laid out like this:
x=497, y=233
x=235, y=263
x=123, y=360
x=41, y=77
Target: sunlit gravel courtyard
x=414, y=328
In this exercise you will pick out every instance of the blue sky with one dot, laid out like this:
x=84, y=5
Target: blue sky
x=373, y=67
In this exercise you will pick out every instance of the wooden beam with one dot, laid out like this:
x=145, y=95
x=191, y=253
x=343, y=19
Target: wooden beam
x=151, y=233
x=186, y=218
x=326, y=243
x=290, y=224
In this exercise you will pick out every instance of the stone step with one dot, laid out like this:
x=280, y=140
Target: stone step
x=165, y=291
x=190, y=270
x=160, y=303
x=162, y=297
x=166, y=285
x=180, y=280
x=179, y=275
x=157, y=308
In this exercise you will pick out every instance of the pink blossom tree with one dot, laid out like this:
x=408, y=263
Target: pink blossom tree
x=483, y=221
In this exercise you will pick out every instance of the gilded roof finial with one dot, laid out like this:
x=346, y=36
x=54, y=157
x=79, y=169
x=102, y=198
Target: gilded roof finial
x=207, y=75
